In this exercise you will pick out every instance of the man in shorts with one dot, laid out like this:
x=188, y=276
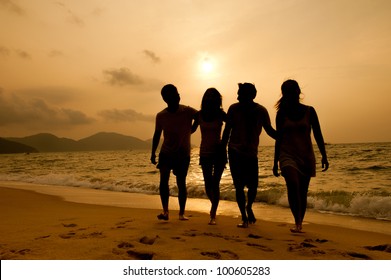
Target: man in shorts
x=177, y=123
x=245, y=121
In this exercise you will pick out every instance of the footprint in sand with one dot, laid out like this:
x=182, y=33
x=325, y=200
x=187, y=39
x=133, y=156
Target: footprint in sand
x=260, y=247
x=68, y=235
x=226, y=237
x=191, y=233
x=69, y=225
x=383, y=248
x=24, y=251
x=95, y=234
x=358, y=256
x=72, y=234
x=42, y=237
x=177, y=238
x=123, y=224
x=124, y=245
x=231, y=255
x=213, y=255
x=307, y=247
x=134, y=254
x=140, y=255
x=20, y=252
x=148, y=240
x=255, y=236
x=309, y=240
x=221, y=254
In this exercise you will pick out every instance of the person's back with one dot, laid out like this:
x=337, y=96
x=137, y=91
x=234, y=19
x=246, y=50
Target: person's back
x=175, y=122
x=177, y=129
x=245, y=121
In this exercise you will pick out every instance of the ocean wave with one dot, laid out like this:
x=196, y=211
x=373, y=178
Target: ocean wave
x=368, y=205
x=369, y=168
x=373, y=204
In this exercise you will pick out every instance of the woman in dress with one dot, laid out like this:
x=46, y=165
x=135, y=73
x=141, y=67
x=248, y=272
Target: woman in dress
x=293, y=149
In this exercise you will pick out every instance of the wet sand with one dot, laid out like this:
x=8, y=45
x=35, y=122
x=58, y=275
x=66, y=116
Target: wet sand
x=41, y=222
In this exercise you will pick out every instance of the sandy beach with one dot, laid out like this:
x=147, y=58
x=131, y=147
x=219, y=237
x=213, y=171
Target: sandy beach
x=41, y=222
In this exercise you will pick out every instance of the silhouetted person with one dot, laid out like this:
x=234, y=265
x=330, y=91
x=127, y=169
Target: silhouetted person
x=213, y=157
x=293, y=149
x=245, y=121
x=175, y=122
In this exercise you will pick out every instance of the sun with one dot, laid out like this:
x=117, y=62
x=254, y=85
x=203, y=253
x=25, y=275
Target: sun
x=207, y=66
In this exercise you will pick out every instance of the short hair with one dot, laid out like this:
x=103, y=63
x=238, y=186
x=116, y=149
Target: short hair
x=168, y=89
x=247, y=90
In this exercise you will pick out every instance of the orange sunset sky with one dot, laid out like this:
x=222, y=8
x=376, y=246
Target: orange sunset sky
x=74, y=68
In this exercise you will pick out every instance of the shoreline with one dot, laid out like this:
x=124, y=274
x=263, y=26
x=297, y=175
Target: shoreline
x=39, y=222
x=226, y=208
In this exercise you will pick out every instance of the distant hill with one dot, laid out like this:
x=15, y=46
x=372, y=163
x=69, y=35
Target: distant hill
x=11, y=147
x=45, y=142
x=111, y=141
x=103, y=141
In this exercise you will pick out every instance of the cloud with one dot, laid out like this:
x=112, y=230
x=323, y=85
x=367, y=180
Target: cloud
x=4, y=51
x=23, y=54
x=12, y=7
x=54, y=95
x=36, y=112
x=128, y=115
x=74, y=117
x=152, y=56
x=122, y=77
x=73, y=18
x=55, y=53
x=98, y=12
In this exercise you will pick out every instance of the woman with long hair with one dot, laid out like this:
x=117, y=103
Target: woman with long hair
x=213, y=157
x=293, y=148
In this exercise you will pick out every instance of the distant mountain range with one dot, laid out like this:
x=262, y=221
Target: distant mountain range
x=11, y=147
x=45, y=142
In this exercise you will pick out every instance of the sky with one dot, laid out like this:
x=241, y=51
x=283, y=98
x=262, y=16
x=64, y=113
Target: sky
x=74, y=68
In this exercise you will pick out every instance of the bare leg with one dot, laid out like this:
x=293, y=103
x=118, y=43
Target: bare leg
x=241, y=200
x=305, y=182
x=252, y=177
x=218, y=172
x=182, y=196
x=251, y=195
x=293, y=182
x=164, y=191
x=207, y=171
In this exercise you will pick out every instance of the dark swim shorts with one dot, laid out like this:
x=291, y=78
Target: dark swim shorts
x=244, y=169
x=178, y=164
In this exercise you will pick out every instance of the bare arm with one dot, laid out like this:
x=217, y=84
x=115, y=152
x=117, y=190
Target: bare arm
x=319, y=138
x=270, y=131
x=226, y=135
x=277, y=146
x=268, y=127
x=155, y=144
x=195, y=123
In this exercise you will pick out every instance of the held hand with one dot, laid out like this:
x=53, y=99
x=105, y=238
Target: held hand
x=153, y=159
x=222, y=154
x=275, y=170
x=325, y=164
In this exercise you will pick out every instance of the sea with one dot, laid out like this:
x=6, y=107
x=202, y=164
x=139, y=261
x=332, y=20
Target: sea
x=358, y=182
